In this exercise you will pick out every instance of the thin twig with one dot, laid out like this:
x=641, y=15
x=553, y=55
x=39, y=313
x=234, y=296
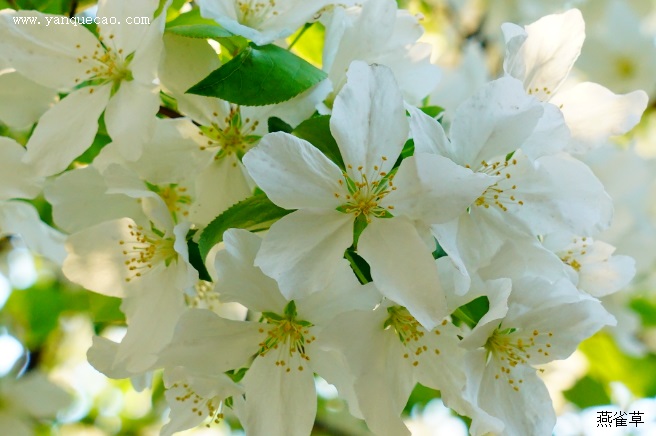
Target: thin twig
x=73, y=8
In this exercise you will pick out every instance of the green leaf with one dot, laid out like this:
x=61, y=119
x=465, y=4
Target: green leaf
x=608, y=363
x=277, y=125
x=316, y=131
x=255, y=213
x=260, y=75
x=196, y=261
x=587, y=392
x=202, y=31
x=432, y=111
x=472, y=312
x=190, y=18
x=420, y=396
x=646, y=308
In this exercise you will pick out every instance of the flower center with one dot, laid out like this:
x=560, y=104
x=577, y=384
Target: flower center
x=230, y=135
x=288, y=334
x=109, y=64
x=253, y=13
x=512, y=350
x=143, y=251
x=625, y=67
x=411, y=334
x=364, y=195
x=211, y=407
x=575, y=252
x=501, y=193
x=175, y=197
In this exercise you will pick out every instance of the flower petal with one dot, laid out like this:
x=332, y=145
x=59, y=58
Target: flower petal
x=30, y=47
x=123, y=35
x=130, y=117
x=545, y=58
x=368, y=120
x=239, y=280
x=493, y=122
x=303, y=250
x=18, y=217
x=294, y=173
x=434, y=189
x=16, y=179
x=427, y=134
x=280, y=400
x=586, y=103
x=23, y=101
x=200, y=332
x=66, y=130
x=403, y=268
x=79, y=199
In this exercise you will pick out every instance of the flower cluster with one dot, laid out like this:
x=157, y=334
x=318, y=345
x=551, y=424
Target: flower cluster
x=403, y=244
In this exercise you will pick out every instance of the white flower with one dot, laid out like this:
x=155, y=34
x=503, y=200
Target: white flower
x=262, y=21
x=530, y=198
x=518, y=332
x=619, y=52
x=118, y=70
x=592, y=263
x=376, y=32
x=195, y=398
x=225, y=131
x=30, y=398
x=394, y=207
x=388, y=351
x=279, y=385
x=541, y=55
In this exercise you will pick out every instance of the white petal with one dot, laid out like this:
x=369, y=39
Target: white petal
x=403, y=268
x=145, y=63
x=434, y=189
x=38, y=396
x=585, y=104
x=79, y=200
x=562, y=195
x=294, y=173
x=99, y=260
x=23, y=101
x=200, y=333
x=66, y=130
x=123, y=35
x=17, y=217
x=303, y=250
x=130, y=117
x=545, y=58
x=228, y=175
x=550, y=136
x=368, y=120
x=30, y=47
x=239, y=280
x=497, y=397
x=427, y=133
x=16, y=179
x=343, y=293
x=151, y=314
x=493, y=122
x=604, y=278
x=383, y=377
x=279, y=402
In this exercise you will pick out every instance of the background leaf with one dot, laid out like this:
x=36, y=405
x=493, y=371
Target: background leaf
x=258, y=76
x=255, y=213
x=317, y=132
